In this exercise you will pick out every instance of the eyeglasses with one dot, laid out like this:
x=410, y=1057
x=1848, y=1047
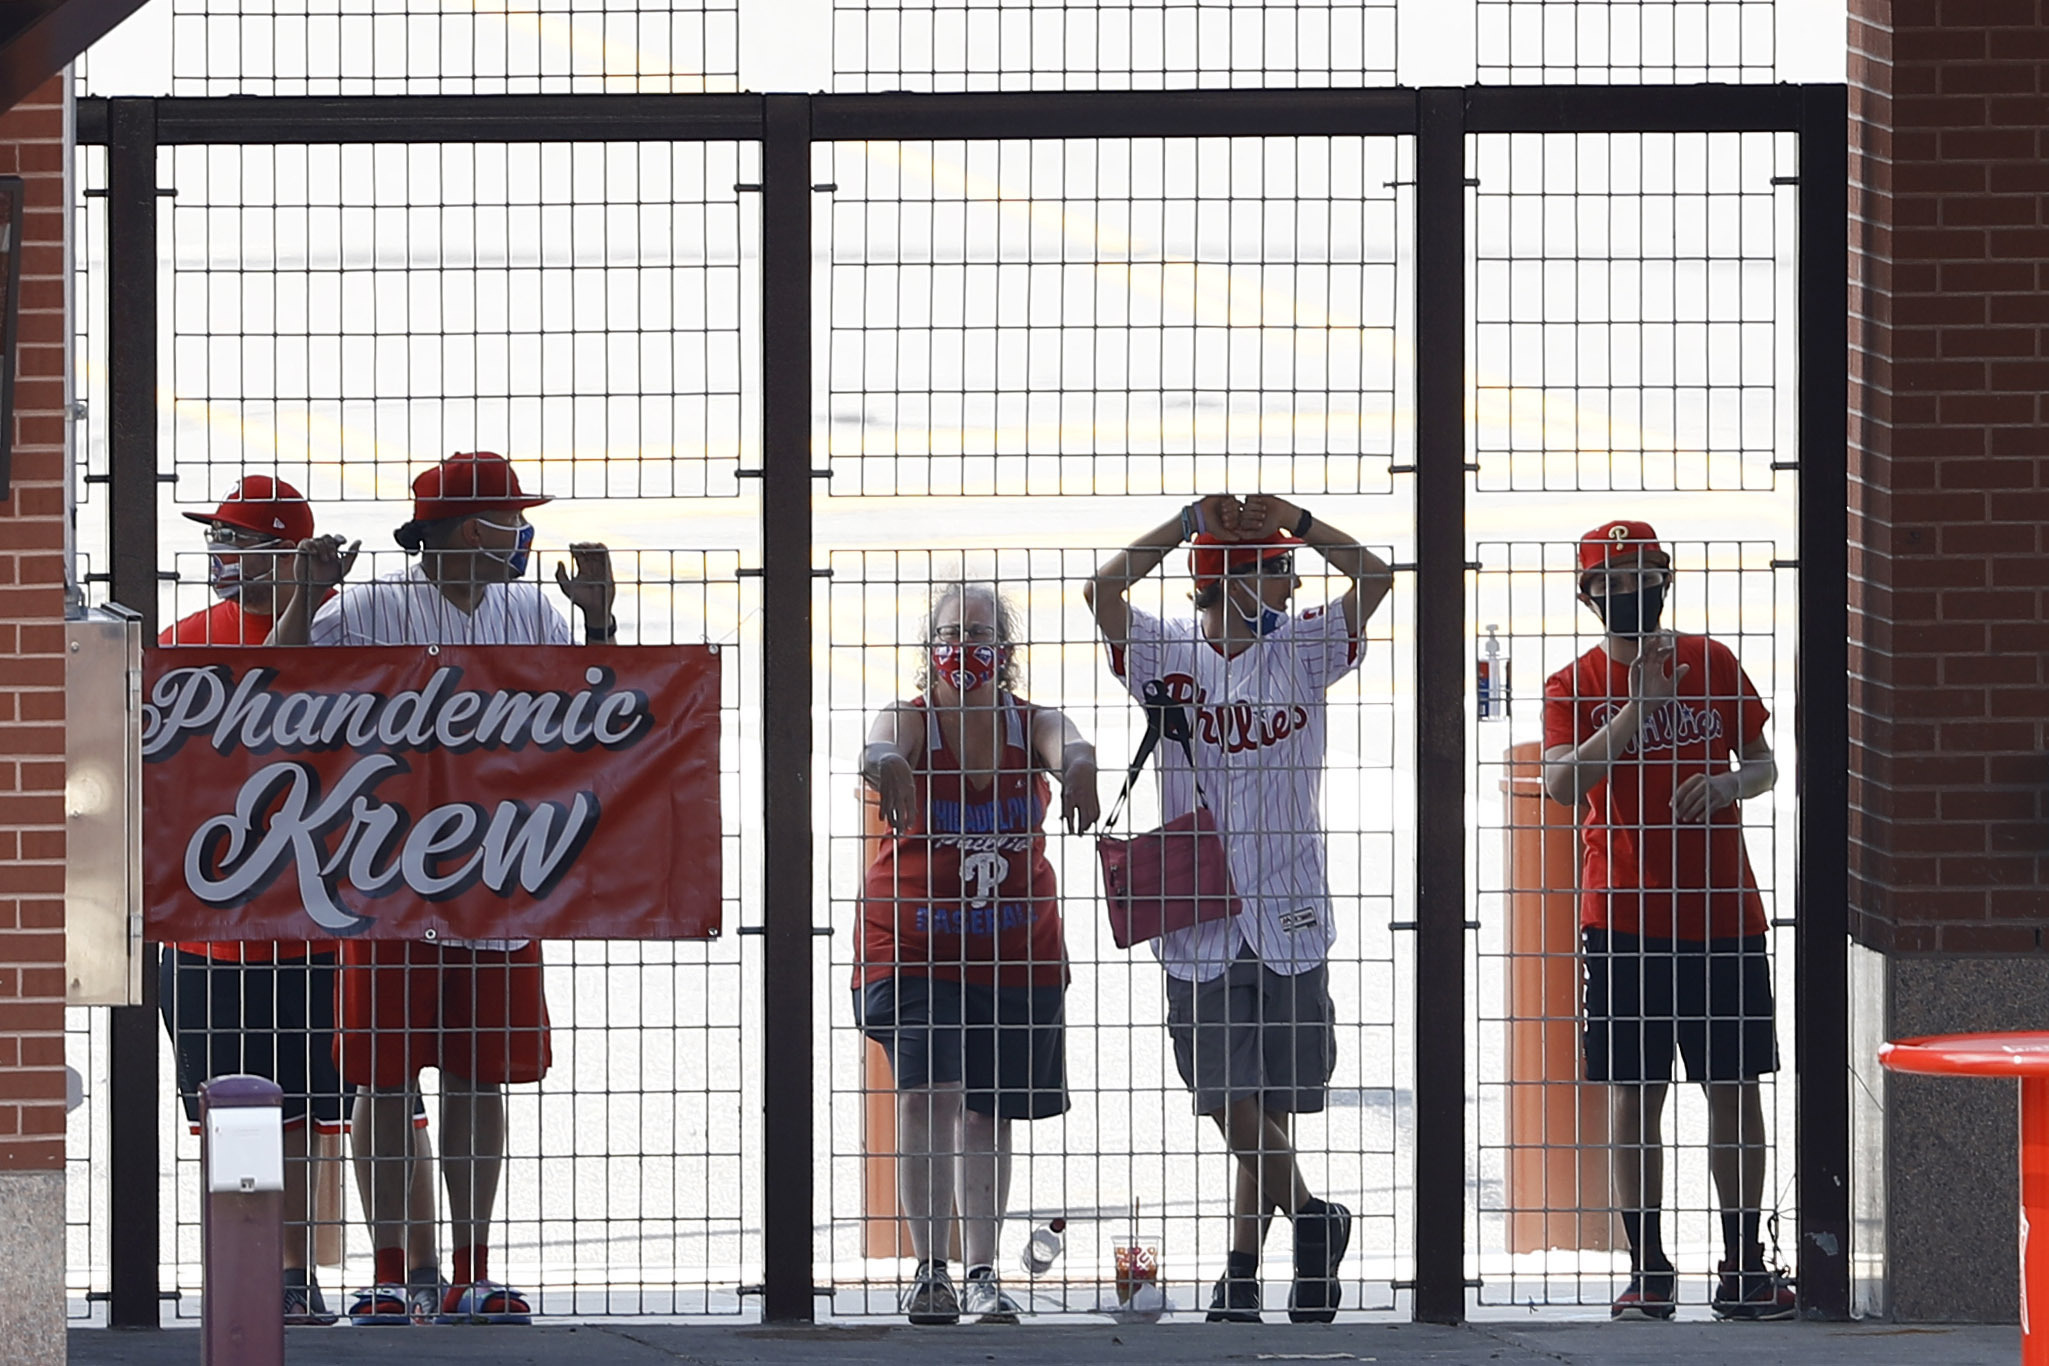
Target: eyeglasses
x=1279, y=566
x=977, y=634
x=240, y=538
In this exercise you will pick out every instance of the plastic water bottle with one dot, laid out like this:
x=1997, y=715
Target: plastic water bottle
x=1493, y=679
x=1043, y=1247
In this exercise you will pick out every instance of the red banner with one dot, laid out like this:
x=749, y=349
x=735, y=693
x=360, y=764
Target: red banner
x=473, y=792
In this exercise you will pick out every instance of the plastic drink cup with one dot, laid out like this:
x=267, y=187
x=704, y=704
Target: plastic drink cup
x=1138, y=1269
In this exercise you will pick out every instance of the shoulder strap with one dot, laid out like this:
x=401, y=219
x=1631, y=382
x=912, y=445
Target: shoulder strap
x=1164, y=718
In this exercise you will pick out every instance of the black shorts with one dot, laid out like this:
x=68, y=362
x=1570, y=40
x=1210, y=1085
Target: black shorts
x=1006, y=1045
x=1709, y=999
x=272, y=1019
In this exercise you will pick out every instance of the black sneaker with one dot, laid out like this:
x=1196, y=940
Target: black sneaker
x=305, y=1306
x=1321, y=1238
x=931, y=1299
x=1649, y=1295
x=1235, y=1300
x=1753, y=1296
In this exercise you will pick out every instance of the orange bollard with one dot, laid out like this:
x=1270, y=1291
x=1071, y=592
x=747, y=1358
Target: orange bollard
x=1558, y=1188
x=883, y=1232
x=2034, y=1227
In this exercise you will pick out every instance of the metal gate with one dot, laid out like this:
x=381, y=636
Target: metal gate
x=980, y=334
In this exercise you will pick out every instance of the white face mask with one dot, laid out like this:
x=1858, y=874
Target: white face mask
x=224, y=565
x=515, y=559
x=1263, y=620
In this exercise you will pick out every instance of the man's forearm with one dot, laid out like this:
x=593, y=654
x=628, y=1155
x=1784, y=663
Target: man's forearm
x=1755, y=777
x=1588, y=764
x=1137, y=560
x=1348, y=557
x=293, y=625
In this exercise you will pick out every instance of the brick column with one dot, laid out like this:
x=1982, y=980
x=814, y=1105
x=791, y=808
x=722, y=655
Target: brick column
x=1950, y=568
x=32, y=760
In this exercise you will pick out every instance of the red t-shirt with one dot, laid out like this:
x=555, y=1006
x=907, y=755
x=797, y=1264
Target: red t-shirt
x=967, y=892
x=225, y=623
x=1641, y=872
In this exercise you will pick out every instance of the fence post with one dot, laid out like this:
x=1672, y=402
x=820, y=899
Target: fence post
x=1821, y=718
x=241, y=1221
x=788, y=1092
x=1440, y=1023
x=133, y=1187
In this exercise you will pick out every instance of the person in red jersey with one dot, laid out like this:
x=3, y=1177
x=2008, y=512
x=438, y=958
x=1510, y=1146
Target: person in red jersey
x=1657, y=737
x=962, y=972
x=255, y=1006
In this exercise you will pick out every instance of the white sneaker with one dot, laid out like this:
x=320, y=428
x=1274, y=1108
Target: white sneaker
x=982, y=1299
x=930, y=1298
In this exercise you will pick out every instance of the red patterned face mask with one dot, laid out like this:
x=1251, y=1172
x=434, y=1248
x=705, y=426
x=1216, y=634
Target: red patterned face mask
x=967, y=667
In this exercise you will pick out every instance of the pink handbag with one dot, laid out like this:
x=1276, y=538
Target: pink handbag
x=1172, y=877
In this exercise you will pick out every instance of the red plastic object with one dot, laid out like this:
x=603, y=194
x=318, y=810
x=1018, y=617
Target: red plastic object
x=2024, y=1056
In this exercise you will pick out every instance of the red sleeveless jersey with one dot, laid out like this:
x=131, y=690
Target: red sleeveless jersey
x=967, y=893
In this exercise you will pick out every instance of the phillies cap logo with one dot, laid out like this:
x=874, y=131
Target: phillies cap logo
x=1618, y=532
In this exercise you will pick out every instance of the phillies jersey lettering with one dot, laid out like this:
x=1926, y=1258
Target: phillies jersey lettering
x=1673, y=726
x=967, y=892
x=1259, y=741
x=1641, y=870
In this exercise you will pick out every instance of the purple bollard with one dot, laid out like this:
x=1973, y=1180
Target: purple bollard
x=242, y=1221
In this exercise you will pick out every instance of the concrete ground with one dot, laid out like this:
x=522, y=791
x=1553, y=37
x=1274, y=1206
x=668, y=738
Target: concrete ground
x=1481, y=1344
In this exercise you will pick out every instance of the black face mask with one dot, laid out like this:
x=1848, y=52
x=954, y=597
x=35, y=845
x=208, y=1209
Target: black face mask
x=1632, y=615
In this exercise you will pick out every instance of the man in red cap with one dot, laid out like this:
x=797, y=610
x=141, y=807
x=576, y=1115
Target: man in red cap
x=473, y=1009
x=1248, y=1002
x=1640, y=733
x=257, y=1007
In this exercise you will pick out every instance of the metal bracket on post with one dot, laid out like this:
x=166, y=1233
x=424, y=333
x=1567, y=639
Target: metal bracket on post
x=132, y=1042
x=788, y=1290
x=1440, y=492
x=241, y=1221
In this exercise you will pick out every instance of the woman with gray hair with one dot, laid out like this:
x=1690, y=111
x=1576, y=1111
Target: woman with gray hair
x=961, y=974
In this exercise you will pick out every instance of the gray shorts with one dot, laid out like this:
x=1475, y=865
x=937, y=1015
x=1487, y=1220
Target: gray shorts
x=1251, y=1031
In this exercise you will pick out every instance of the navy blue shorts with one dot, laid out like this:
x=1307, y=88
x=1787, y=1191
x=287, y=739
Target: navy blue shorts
x=1007, y=1046
x=1710, y=1000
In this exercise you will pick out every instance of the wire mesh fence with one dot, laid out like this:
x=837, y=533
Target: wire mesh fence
x=1123, y=45
x=1028, y=350
x=1114, y=316
x=1596, y=42
x=343, y=49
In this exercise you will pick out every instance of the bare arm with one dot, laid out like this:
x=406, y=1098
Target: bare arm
x=1058, y=745
x=322, y=563
x=1263, y=516
x=894, y=739
x=1107, y=593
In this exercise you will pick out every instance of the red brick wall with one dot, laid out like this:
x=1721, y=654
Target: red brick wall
x=32, y=663
x=1950, y=474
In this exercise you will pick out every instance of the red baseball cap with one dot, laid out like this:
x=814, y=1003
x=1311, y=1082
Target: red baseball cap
x=469, y=483
x=266, y=506
x=1210, y=557
x=1612, y=540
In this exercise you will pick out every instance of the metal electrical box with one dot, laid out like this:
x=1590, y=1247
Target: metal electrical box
x=103, y=808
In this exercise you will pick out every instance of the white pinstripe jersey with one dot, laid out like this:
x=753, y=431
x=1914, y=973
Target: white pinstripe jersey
x=1259, y=745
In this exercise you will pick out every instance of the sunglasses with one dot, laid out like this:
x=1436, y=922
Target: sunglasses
x=1273, y=566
